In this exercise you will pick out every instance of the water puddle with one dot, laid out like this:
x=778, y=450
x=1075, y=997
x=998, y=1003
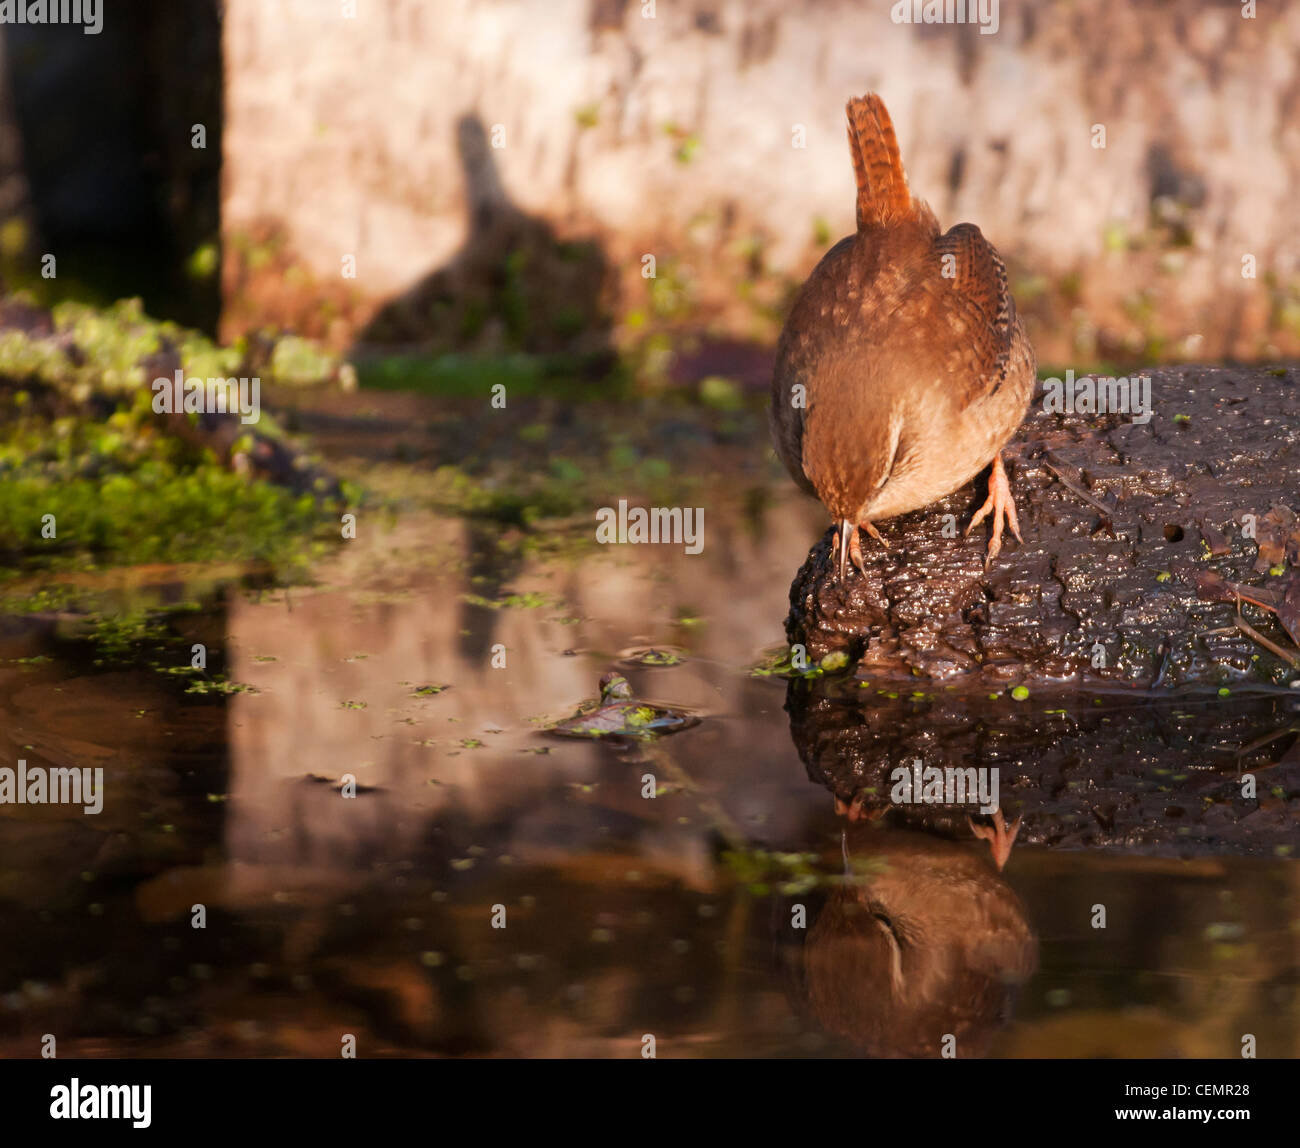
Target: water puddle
x=361, y=802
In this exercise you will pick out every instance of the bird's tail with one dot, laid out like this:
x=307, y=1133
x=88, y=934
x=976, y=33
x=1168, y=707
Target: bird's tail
x=882, y=187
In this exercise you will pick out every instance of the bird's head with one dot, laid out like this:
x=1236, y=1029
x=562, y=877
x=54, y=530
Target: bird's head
x=848, y=485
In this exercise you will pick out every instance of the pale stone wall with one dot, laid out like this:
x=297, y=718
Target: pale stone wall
x=673, y=135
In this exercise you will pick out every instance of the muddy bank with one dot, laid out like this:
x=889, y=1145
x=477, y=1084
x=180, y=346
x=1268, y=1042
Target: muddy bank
x=1131, y=530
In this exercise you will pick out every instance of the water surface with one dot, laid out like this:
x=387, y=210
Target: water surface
x=624, y=916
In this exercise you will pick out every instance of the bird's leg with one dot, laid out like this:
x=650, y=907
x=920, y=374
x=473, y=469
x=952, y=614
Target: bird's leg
x=865, y=525
x=855, y=544
x=855, y=553
x=1000, y=504
x=854, y=810
x=853, y=547
x=1000, y=836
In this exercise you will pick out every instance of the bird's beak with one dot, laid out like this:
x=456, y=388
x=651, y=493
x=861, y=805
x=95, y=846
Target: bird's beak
x=845, y=528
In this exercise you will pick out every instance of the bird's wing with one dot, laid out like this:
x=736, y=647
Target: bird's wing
x=797, y=354
x=982, y=329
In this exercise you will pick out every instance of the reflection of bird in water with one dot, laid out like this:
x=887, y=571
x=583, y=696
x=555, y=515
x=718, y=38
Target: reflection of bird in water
x=855, y=749
x=920, y=952
x=1000, y=836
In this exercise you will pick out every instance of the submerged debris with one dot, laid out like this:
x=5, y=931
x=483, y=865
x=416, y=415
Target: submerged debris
x=618, y=715
x=653, y=656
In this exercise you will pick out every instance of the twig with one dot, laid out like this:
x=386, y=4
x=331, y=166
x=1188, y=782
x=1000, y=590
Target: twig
x=1166, y=646
x=1065, y=482
x=1265, y=739
x=1291, y=658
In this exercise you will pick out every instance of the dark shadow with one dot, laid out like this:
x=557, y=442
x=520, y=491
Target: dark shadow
x=104, y=138
x=490, y=568
x=513, y=287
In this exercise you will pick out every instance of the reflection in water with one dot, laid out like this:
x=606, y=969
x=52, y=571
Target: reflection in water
x=1084, y=769
x=625, y=915
x=489, y=571
x=921, y=954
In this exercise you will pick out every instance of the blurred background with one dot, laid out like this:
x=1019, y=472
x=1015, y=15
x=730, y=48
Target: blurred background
x=386, y=209
x=500, y=187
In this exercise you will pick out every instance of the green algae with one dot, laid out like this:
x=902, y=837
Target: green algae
x=783, y=663
x=82, y=484
x=104, y=350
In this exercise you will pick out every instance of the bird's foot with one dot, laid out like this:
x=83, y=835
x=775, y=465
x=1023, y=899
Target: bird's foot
x=999, y=835
x=854, y=546
x=1001, y=505
x=855, y=552
x=854, y=810
x=865, y=525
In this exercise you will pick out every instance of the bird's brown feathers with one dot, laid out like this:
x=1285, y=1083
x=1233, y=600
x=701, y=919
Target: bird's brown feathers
x=903, y=367
x=883, y=196
x=980, y=312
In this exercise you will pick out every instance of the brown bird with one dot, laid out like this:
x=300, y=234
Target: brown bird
x=903, y=369
x=923, y=949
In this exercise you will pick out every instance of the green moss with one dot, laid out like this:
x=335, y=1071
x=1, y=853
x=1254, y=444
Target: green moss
x=721, y=393
x=111, y=344
x=1114, y=236
x=117, y=487
x=189, y=514
x=528, y=601
x=14, y=238
x=463, y=375
x=687, y=149
x=220, y=686
x=654, y=657
x=122, y=491
x=25, y=358
x=114, y=635
x=298, y=361
x=455, y=491
x=779, y=663
x=204, y=262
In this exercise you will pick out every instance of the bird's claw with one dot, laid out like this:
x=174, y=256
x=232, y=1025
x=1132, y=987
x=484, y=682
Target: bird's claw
x=855, y=544
x=999, y=835
x=1002, y=506
x=854, y=810
x=855, y=553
